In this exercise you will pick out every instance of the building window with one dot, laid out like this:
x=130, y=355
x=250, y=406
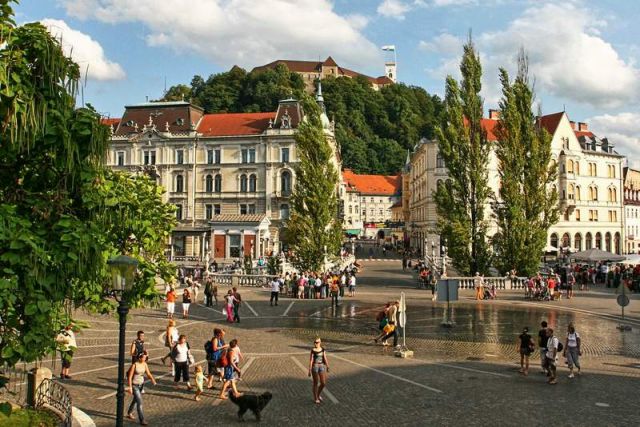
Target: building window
x=208, y=211
x=577, y=214
x=217, y=183
x=216, y=209
x=179, y=157
x=284, y=155
x=439, y=161
x=179, y=212
x=285, y=183
x=179, y=184
x=149, y=157
x=371, y=212
x=234, y=245
x=252, y=183
x=120, y=158
x=284, y=211
x=208, y=184
x=247, y=209
x=364, y=212
x=214, y=156
x=248, y=155
x=380, y=212
x=566, y=215
x=243, y=183
x=570, y=166
x=350, y=209
x=588, y=242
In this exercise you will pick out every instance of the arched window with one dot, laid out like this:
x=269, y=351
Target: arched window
x=588, y=244
x=577, y=242
x=566, y=240
x=607, y=242
x=572, y=192
x=578, y=195
x=616, y=243
x=285, y=183
x=243, y=183
x=252, y=183
x=179, y=184
x=598, y=241
x=577, y=168
x=217, y=183
x=570, y=166
x=284, y=211
x=208, y=184
x=554, y=240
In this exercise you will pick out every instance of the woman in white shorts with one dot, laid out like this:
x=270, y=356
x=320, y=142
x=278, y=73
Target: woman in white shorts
x=186, y=303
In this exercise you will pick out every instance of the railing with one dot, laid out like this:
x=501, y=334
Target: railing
x=501, y=283
x=254, y=280
x=15, y=388
x=52, y=395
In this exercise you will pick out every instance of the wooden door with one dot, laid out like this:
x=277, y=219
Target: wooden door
x=220, y=244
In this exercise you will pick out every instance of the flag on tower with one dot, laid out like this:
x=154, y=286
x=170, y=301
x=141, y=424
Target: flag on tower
x=390, y=47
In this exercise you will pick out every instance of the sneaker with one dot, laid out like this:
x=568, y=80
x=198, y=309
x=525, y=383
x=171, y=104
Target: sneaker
x=553, y=382
x=571, y=376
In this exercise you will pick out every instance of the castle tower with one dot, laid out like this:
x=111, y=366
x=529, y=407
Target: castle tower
x=390, y=66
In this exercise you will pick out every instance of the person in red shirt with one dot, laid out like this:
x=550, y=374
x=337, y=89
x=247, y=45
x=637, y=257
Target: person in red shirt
x=551, y=284
x=171, y=302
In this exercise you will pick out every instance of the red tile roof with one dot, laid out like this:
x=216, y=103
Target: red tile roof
x=329, y=62
x=586, y=133
x=235, y=124
x=110, y=121
x=551, y=121
x=489, y=126
x=373, y=184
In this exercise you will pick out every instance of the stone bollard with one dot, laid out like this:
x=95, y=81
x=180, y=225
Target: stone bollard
x=35, y=377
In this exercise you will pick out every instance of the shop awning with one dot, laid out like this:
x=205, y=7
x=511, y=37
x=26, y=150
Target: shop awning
x=352, y=231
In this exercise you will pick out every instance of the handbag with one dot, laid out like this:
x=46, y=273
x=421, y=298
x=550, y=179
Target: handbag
x=190, y=359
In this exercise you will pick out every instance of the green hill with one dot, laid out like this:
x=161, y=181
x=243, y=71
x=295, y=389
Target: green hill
x=373, y=128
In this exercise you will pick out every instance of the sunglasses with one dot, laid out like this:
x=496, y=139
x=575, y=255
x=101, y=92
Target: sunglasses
x=316, y=342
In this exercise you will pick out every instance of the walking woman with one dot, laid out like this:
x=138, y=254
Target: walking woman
x=231, y=370
x=136, y=376
x=170, y=338
x=572, y=349
x=230, y=300
x=186, y=303
x=318, y=369
x=526, y=346
x=171, y=302
x=218, y=346
x=182, y=358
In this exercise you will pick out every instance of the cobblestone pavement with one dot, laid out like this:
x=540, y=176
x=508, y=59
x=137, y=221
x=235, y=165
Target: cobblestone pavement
x=463, y=375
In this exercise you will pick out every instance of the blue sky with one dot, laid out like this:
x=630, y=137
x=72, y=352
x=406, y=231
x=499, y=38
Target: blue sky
x=583, y=54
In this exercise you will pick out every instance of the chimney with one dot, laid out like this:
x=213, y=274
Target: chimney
x=582, y=126
x=494, y=114
x=573, y=125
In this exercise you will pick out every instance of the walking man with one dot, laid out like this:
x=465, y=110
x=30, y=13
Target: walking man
x=478, y=283
x=550, y=361
x=542, y=343
x=392, y=315
x=275, y=290
x=66, y=340
x=237, y=300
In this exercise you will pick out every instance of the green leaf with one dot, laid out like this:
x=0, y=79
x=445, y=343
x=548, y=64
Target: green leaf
x=31, y=309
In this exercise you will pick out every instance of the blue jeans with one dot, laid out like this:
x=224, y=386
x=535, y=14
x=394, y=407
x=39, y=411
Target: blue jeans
x=136, y=402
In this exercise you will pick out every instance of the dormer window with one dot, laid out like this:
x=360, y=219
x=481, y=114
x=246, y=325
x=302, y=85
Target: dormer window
x=180, y=121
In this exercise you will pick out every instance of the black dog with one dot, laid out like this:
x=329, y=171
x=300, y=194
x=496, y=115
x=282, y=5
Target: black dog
x=253, y=402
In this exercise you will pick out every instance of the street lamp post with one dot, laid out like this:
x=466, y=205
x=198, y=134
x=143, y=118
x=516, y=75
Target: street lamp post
x=123, y=269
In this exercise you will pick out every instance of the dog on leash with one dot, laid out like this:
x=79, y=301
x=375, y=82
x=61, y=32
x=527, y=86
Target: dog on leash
x=250, y=402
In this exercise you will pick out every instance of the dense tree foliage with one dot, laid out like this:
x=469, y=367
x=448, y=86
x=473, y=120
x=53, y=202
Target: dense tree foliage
x=62, y=215
x=463, y=199
x=373, y=128
x=527, y=202
x=314, y=225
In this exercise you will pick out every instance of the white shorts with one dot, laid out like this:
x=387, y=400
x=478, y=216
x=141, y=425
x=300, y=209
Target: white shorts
x=171, y=307
x=185, y=306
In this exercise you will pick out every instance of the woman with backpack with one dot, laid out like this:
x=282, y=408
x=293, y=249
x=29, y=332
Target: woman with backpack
x=526, y=346
x=217, y=347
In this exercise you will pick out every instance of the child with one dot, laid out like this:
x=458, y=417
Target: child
x=199, y=382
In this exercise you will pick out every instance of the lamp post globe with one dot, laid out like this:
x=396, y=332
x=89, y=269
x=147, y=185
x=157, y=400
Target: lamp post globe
x=123, y=269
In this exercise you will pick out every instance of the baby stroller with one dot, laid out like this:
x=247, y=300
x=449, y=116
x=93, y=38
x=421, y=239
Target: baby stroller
x=543, y=294
x=490, y=292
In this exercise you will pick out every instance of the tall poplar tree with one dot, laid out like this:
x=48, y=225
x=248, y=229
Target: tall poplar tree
x=462, y=201
x=313, y=229
x=527, y=202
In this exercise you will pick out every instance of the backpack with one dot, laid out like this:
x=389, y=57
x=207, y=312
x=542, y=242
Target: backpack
x=208, y=348
x=139, y=345
x=223, y=360
x=380, y=316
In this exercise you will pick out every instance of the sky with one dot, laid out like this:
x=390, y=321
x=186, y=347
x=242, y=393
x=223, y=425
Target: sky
x=583, y=54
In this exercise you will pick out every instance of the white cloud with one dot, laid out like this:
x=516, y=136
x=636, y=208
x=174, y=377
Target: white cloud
x=623, y=130
x=445, y=3
x=243, y=32
x=84, y=50
x=567, y=56
x=393, y=9
x=444, y=43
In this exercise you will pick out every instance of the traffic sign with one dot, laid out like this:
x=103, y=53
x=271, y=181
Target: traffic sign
x=623, y=300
